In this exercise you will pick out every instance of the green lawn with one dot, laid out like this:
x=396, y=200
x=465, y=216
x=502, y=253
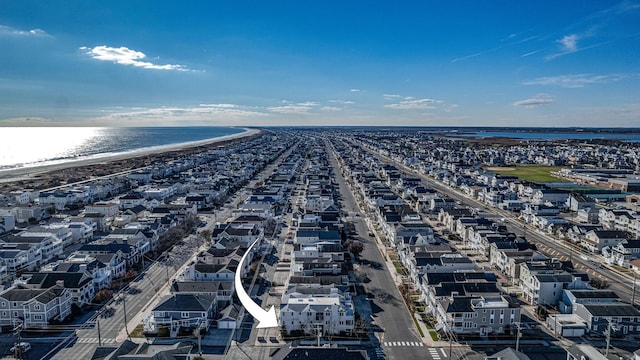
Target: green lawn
x=434, y=335
x=532, y=173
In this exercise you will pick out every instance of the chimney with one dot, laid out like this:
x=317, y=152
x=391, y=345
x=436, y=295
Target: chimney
x=60, y=282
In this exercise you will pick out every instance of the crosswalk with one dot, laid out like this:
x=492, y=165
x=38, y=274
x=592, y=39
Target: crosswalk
x=435, y=355
x=93, y=340
x=402, y=343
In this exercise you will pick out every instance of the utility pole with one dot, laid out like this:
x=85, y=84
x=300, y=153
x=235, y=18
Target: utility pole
x=18, y=346
x=517, y=336
x=633, y=290
x=124, y=308
x=98, y=325
x=196, y=332
x=608, y=335
x=451, y=337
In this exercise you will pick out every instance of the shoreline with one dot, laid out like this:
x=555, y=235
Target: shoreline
x=23, y=174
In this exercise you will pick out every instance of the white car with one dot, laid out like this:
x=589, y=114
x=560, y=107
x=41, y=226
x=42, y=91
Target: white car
x=24, y=345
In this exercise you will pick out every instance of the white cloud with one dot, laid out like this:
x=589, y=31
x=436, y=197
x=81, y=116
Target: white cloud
x=330, y=108
x=126, y=56
x=392, y=96
x=294, y=108
x=344, y=102
x=7, y=30
x=354, y=90
x=411, y=103
x=224, y=106
x=540, y=99
x=467, y=57
x=577, y=80
x=202, y=114
x=530, y=53
x=569, y=42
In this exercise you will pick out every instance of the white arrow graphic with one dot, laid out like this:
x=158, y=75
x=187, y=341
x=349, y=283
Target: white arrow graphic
x=266, y=319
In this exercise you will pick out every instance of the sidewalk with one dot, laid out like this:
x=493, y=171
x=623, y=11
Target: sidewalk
x=164, y=290
x=397, y=278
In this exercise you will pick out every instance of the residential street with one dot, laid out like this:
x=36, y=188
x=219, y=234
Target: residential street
x=395, y=329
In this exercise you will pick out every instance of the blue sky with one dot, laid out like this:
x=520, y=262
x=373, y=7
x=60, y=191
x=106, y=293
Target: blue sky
x=453, y=63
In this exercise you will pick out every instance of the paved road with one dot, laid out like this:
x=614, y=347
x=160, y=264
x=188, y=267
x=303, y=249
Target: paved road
x=110, y=328
x=155, y=277
x=621, y=284
x=395, y=328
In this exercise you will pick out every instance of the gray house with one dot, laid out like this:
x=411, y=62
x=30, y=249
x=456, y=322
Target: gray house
x=182, y=312
x=34, y=307
x=625, y=317
x=479, y=315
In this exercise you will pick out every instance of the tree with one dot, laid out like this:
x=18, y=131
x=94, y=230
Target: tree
x=102, y=296
x=599, y=283
x=206, y=235
x=356, y=247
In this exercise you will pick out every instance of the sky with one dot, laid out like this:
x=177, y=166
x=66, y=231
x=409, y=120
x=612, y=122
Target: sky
x=274, y=63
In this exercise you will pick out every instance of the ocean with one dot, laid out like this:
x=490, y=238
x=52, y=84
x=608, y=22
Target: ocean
x=36, y=146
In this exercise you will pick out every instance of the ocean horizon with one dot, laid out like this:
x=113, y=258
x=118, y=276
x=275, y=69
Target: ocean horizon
x=23, y=147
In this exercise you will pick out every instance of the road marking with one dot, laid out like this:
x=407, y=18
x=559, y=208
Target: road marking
x=443, y=352
x=434, y=353
x=403, y=343
x=93, y=340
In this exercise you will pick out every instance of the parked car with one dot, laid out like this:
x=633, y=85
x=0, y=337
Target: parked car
x=24, y=346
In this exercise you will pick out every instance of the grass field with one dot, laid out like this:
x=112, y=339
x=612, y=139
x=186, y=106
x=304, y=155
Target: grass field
x=532, y=173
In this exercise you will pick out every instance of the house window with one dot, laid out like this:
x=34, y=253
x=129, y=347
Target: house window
x=185, y=314
x=37, y=317
x=36, y=307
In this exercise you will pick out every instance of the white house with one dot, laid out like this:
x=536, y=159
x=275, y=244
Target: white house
x=313, y=308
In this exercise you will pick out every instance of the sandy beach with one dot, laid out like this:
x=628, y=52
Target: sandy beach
x=39, y=177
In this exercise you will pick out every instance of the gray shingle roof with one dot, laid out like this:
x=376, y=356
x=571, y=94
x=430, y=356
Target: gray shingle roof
x=186, y=302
